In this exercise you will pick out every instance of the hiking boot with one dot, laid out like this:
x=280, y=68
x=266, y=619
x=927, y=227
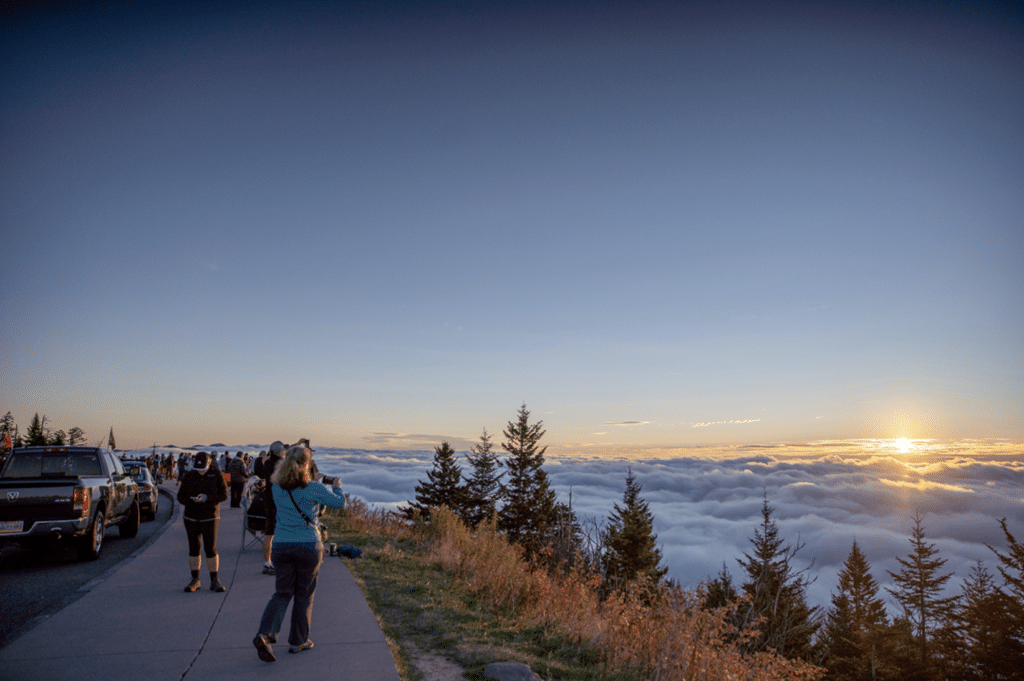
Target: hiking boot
x=193, y=585
x=263, y=648
x=268, y=569
x=298, y=649
x=215, y=585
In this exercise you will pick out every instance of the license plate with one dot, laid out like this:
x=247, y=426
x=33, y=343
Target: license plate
x=11, y=526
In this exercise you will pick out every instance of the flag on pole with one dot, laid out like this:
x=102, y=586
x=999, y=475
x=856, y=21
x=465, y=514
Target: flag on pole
x=110, y=440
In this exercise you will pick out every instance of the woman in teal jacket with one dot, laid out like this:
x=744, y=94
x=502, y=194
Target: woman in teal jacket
x=298, y=550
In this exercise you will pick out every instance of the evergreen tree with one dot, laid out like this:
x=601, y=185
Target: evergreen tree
x=529, y=509
x=565, y=538
x=36, y=435
x=720, y=591
x=483, y=487
x=1011, y=567
x=918, y=585
x=443, y=487
x=777, y=594
x=856, y=625
x=7, y=425
x=1011, y=592
x=630, y=552
x=76, y=436
x=978, y=641
x=900, y=654
x=840, y=653
x=58, y=439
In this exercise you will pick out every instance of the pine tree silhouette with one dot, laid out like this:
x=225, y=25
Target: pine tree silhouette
x=777, y=594
x=483, y=487
x=442, y=488
x=529, y=510
x=630, y=552
x=918, y=585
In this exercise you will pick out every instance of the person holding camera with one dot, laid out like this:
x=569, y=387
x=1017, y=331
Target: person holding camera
x=200, y=492
x=298, y=548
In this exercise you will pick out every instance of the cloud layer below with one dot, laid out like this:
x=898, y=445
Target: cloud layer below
x=707, y=502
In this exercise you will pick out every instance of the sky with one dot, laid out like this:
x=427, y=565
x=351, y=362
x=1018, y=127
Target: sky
x=384, y=225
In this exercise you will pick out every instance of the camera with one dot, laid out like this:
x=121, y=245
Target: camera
x=327, y=480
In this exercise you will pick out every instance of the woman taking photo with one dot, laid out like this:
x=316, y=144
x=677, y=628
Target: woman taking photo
x=297, y=550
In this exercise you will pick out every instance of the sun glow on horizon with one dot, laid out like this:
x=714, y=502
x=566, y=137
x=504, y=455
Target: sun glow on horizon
x=904, y=444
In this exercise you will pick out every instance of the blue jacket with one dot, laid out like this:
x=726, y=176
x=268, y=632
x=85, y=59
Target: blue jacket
x=291, y=526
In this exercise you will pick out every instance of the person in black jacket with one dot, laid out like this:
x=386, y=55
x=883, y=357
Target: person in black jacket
x=200, y=493
x=236, y=467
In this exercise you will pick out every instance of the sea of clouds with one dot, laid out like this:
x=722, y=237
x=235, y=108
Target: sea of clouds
x=707, y=502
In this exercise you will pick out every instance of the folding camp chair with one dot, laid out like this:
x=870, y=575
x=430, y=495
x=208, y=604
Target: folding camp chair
x=254, y=511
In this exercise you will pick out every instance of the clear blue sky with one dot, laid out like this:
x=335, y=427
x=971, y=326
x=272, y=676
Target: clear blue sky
x=387, y=224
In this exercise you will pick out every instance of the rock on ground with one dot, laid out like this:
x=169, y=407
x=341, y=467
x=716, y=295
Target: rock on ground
x=510, y=671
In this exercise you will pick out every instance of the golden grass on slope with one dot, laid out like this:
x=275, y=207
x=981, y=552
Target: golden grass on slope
x=669, y=640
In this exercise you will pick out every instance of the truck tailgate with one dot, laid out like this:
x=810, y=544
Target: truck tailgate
x=33, y=501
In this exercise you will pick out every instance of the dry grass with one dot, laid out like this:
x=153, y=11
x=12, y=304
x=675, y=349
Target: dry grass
x=495, y=606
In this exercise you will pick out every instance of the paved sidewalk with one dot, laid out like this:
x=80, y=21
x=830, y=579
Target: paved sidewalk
x=138, y=623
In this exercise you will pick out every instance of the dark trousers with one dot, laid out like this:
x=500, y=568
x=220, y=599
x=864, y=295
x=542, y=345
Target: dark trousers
x=236, y=493
x=201, y=530
x=296, y=567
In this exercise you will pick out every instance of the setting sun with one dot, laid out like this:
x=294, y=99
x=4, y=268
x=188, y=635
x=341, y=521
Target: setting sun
x=903, y=444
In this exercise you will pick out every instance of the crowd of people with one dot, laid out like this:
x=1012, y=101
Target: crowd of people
x=295, y=494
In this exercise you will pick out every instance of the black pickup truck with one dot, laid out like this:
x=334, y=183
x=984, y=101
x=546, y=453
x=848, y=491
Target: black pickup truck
x=66, y=494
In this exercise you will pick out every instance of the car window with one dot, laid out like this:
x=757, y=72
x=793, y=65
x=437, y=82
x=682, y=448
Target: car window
x=84, y=463
x=138, y=473
x=54, y=465
x=24, y=466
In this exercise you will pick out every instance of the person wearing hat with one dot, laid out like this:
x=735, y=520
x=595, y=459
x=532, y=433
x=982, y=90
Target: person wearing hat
x=264, y=469
x=200, y=493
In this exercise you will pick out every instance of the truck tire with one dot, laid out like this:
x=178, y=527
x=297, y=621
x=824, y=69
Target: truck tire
x=91, y=544
x=129, y=527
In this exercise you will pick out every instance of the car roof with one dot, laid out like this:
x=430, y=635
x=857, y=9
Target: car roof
x=55, y=449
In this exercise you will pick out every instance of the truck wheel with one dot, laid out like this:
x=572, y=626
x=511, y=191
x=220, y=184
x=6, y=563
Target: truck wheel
x=90, y=545
x=129, y=527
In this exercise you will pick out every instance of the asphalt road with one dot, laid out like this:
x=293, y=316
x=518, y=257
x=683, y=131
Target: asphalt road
x=39, y=582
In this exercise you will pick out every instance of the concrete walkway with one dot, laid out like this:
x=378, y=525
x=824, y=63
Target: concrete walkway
x=137, y=622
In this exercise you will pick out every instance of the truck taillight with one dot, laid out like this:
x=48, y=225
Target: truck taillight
x=82, y=497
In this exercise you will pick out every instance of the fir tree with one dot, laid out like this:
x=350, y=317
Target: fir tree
x=978, y=640
x=856, y=624
x=1011, y=567
x=483, y=487
x=443, y=486
x=529, y=509
x=777, y=594
x=1011, y=592
x=841, y=655
x=565, y=538
x=630, y=552
x=720, y=591
x=918, y=585
x=36, y=435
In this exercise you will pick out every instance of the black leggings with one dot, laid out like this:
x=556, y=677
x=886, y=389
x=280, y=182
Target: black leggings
x=207, y=530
